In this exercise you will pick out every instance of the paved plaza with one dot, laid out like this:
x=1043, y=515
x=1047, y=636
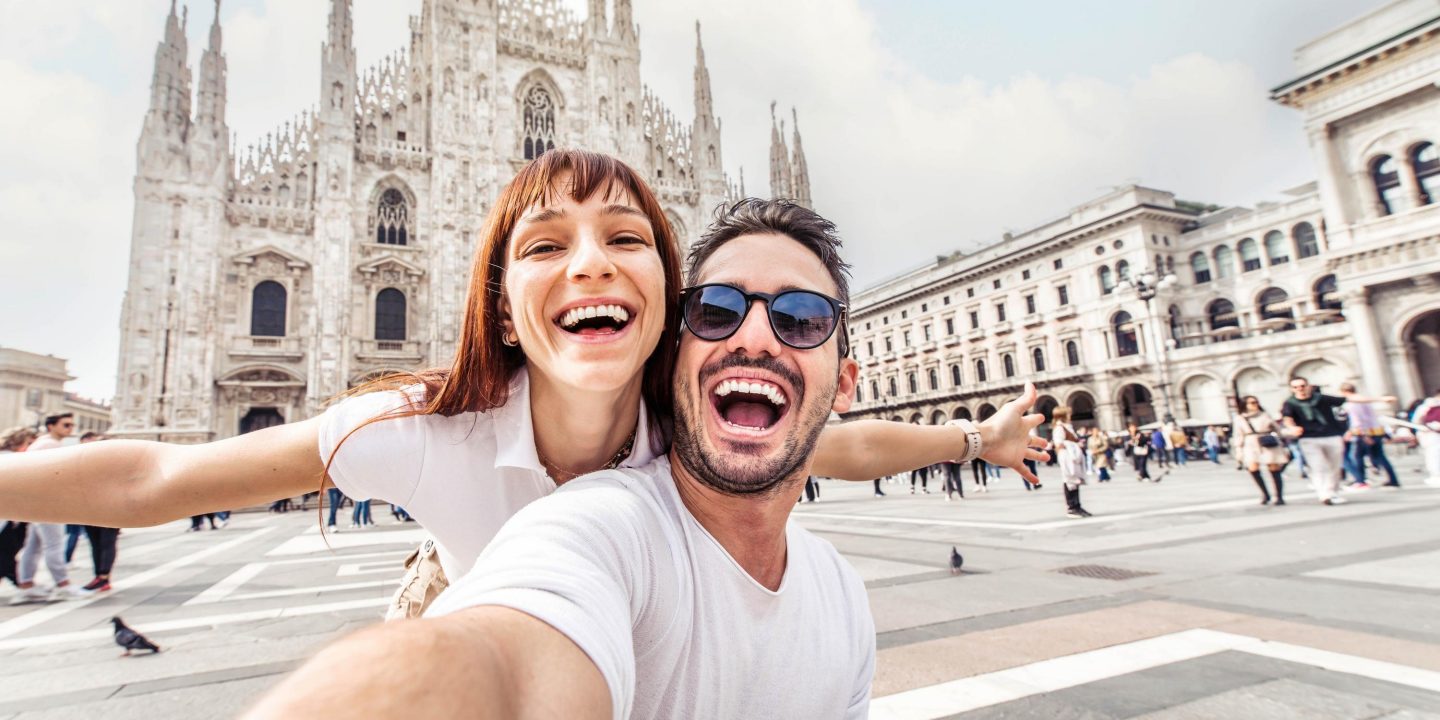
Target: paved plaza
x=1182, y=599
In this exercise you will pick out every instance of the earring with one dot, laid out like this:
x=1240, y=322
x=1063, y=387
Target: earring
x=510, y=339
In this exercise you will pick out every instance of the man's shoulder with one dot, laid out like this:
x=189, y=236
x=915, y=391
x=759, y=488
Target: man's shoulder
x=633, y=495
x=824, y=560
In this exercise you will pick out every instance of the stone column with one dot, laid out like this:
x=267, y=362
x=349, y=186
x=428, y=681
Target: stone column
x=1368, y=343
x=1330, y=179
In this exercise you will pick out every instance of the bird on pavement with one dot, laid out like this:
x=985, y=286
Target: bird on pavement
x=956, y=560
x=131, y=640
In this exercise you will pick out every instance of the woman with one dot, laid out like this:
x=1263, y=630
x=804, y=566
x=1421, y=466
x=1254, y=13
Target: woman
x=1260, y=442
x=1140, y=452
x=1071, y=460
x=12, y=534
x=1099, y=447
x=564, y=368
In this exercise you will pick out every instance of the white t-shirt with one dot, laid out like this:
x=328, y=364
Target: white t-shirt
x=617, y=563
x=460, y=477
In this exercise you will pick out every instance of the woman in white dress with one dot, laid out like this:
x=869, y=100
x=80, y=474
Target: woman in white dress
x=1071, y=456
x=1260, y=442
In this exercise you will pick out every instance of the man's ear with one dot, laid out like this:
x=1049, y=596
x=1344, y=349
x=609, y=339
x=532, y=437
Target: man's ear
x=845, y=385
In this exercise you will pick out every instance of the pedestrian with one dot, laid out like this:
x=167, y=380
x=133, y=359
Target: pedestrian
x=44, y=539
x=812, y=489
x=953, y=483
x=1260, y=441
x=923, y=473
x=1140, y=453
x=1099, y=446
x=1160, y=447
x=197, y=522
x=1366, y=440
x=12, y=533
x=336, y=499
x=1426, y=416
x=1212, y=444
x=1318, y=423
x=103, y=540
x=1179, y=445
x=878, y=491
x=1072, y=460
x=360, y=516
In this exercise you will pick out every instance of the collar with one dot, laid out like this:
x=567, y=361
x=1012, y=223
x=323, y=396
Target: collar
x=515, y=431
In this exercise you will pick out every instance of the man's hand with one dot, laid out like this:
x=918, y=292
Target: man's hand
x=1006, y=437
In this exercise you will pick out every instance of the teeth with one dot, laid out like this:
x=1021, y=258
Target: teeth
x=575, y=315
x=770, y=392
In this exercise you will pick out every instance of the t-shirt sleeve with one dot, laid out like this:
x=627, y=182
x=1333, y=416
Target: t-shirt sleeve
x=381, y=460
x=578, y=561
x=1287, y=409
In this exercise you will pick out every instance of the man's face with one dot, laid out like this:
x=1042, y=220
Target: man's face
x=64, y=428
x=1301, y=389
x=730, y=433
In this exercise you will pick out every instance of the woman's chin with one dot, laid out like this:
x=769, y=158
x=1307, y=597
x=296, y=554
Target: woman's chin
x=597, y=376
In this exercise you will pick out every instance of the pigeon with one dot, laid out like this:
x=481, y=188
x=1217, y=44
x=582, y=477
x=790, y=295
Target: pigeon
x=131, y=640
x=956, y=560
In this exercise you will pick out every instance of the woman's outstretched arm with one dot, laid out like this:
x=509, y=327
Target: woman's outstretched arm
x=133, y=483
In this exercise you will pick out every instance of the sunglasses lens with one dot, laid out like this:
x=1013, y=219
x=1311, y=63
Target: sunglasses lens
x=802, y=319
x=714, y=312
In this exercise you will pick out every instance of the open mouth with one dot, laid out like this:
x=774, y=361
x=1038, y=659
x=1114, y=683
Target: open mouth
x=749, y=404
x=594, y=320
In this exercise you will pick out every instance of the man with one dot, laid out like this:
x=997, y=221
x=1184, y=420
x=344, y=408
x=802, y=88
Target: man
x=103, y=541
x=679, y=589
x=1212, y=444
x=1427, y=417
x=1319, y=421
x=46, y=539
x=1366, y=439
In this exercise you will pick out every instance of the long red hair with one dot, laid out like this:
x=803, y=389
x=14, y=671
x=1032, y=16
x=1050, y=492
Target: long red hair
x=479, y=377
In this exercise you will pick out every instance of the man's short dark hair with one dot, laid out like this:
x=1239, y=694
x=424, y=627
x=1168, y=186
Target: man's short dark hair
x=753, y=216
x=90, y=435
x=50, y=421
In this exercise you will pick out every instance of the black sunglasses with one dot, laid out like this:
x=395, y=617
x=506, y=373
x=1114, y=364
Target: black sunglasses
x=801, y=319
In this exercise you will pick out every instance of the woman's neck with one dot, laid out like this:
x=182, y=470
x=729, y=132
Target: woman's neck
x=580, y=431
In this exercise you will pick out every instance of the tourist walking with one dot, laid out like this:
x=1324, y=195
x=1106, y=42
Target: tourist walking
x=1427, y=417
x=1179, y=445
x=1318, y=422
x=1160, y=447
x=12, y=533
x=43, y=539
x=953, y=483
x=1211, y=438
x=1140, y=453
x=1066, y=443
x=1259, y=439
x=1099, y=446
x=1365, y=440
x=981, y=475
x=923, y=473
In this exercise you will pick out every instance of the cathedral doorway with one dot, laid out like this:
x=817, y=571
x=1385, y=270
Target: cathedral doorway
x=1137, y=405
x=260, y=418
x=1422, y=345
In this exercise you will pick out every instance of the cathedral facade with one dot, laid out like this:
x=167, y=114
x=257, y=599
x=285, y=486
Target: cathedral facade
x=264, y=282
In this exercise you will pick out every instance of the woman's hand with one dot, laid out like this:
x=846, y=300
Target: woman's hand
x=1006, y=439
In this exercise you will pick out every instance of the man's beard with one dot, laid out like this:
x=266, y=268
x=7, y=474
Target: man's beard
x=741, y=470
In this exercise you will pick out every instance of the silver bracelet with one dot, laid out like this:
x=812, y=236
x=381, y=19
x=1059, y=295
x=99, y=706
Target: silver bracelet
x=973, y=444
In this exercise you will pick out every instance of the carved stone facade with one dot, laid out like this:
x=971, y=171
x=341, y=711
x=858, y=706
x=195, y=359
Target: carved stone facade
x=1341, y=281
x=266, y=281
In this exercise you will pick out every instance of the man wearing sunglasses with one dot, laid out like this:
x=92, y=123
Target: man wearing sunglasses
x=679, y=589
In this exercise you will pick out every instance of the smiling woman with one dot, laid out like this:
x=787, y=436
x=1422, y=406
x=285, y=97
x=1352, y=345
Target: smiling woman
x=565, y=367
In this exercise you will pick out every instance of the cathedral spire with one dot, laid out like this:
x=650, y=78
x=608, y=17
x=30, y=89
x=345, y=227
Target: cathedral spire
x=170, y=83
x=211, y=112
x=704, y=105
x=800, y=170
x=599, y=25
x=337, y=64
x=623, y=29
x=780, y=184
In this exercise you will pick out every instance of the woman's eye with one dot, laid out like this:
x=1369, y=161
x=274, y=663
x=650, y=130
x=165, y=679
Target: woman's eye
x=627, y=240
x=540, y=249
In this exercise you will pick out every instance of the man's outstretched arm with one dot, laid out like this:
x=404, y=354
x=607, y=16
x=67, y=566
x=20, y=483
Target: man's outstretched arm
x=483, y=662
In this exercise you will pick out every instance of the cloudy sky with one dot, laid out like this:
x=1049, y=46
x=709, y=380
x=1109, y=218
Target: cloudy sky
x=929, y=125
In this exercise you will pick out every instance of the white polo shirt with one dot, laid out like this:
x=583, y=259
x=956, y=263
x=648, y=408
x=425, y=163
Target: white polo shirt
x=460, y=477
x=678, y=629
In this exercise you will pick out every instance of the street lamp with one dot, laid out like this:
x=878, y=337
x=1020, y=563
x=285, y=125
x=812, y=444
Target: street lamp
x=1146, y=285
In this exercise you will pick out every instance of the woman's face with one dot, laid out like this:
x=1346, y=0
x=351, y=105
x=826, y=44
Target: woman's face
x=585, y=290
x=1251, y=405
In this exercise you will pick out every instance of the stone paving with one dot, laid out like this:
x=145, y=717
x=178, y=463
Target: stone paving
x=1222, y=607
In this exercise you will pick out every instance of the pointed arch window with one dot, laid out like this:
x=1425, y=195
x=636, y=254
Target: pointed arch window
x=1305, y=240
x=1200, y=265
x=1425, y=159
x=1126, y=343
x=1249, y=255
x=1275, y=248
x=390, y=315
x=1224, y=262
x=392, y=218
x=267, y=310
x=1386, y=176
x=538, y=122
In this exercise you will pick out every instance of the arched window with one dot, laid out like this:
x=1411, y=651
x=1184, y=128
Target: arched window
x=1072, y=353
x=1327, y=294
x=1249, y=255
x=1107, y=280
x=390, y=315
x=893, y=391
x=955, y=375
x=1425, y=159
x=1273, y=306
x=1386, y=177
x=934, y=379
x=980, y=371
x=1224, y=262
x=392, y=215
x=858, y=398
x=1008, y=361
x=1177, y=326
x=914, y=388
x=1125, y=341
x=875, y=389
x=1305, y=240
x=1275, y=248
x=538, y=123
x=267, y=310
x=1122, y=271
x=1037, y=359
x=1200, y=265
x=1222, y=314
